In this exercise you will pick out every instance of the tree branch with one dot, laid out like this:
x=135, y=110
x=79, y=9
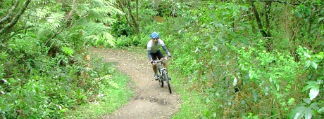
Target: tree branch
x=121, y=6
x=136, y=29
x=16, y=18
x=257, y=17
x=53, y=36
x=267, y=19
x=6, y=18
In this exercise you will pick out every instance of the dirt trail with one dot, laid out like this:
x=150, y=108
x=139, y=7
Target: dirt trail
x=150, y=100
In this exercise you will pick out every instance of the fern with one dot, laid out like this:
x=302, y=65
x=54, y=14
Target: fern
x=94, y=28
x=98, y=33
x=55, y=20
x=98, y=11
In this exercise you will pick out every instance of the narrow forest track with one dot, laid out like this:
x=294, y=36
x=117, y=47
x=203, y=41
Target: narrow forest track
x=150, y=100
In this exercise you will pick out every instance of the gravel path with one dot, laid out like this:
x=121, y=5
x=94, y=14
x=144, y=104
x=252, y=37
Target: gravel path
x=150, y=100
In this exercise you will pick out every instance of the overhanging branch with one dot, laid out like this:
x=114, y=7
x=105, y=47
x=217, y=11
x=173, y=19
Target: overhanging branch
x=16, y=18
x=6, y=18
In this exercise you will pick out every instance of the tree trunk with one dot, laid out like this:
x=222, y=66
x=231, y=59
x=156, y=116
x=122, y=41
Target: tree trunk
x=251, y=20
x=266, y=34
x=257, y=17
x=136, y=28
x=10, y=13
x=268, y=9
x=269, y=41
x=129, y=16
x=136, y=9
x=15, y=19
x=120, y=5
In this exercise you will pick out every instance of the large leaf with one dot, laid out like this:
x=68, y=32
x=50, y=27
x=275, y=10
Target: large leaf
x=320, y=19
x=314, y=89
x=314, y=65
x=321, y=110
x=301, y=112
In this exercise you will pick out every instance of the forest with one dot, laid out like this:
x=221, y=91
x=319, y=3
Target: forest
x=245, y=59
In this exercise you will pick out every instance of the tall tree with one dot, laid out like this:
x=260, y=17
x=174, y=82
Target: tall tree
x=125, y=6
x=265, y=33
x=14, y=20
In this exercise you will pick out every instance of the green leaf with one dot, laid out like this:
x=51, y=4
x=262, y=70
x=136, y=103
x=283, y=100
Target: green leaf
x=309, y=85
x=301, y=112
x=214, y=115
x=307, y=63
x=68, y=51
x=320, y=56
x=320, y=19
x=313, y=92
x=321, y=110
x=207, y=100
x=308, y=113
x=314, y=106
x=255, y=96
x=314, y=89
x=291, y=101
x=307, y=100
x=314, y=65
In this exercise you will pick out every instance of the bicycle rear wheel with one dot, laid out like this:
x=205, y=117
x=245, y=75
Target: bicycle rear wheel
x=166, y=77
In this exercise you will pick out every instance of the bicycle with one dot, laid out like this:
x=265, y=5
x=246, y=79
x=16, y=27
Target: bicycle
x=163, y=74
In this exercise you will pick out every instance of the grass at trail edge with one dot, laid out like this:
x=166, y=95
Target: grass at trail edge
x=112, y=96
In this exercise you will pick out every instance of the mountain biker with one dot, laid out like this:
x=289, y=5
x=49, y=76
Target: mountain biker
x=153, y=51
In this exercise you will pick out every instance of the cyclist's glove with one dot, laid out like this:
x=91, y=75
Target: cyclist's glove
x=151, y=61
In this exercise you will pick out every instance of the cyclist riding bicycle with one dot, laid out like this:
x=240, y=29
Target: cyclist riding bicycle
x=153, y=51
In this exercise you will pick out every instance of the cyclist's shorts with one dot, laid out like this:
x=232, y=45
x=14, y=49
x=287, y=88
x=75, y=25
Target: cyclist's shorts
x=158, y=54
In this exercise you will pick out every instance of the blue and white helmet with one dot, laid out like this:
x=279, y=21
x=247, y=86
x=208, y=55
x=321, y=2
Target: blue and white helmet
x=154, y=35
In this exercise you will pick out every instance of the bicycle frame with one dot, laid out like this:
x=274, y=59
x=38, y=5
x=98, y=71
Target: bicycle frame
x=160, y=68
x=163, y=74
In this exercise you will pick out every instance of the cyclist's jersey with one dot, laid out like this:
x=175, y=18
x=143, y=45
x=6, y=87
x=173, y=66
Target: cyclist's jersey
x=154, y=47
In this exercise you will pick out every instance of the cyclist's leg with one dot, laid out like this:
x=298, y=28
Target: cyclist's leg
x=160, y=56
x=154, y=57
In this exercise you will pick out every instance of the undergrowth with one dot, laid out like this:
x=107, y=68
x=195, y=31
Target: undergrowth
x=113, y=93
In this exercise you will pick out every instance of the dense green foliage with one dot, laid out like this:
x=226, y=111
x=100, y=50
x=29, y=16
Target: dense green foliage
x=45, y=68
x=231, y=59
x=244, y=65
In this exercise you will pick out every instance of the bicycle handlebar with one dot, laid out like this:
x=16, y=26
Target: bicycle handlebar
x=157, y=61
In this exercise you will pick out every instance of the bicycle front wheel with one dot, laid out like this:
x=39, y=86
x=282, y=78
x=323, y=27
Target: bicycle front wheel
x=166, y=77
x=161, y=82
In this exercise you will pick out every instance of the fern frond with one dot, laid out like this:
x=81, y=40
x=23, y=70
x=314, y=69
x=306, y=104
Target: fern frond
x=55, y=20
x=94, y=28
x=82, y=10
x=98, y=33
x=109, y=39
x=98, y=11
x=42, y=12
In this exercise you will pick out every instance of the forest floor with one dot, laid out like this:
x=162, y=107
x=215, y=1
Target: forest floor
x=150, y=101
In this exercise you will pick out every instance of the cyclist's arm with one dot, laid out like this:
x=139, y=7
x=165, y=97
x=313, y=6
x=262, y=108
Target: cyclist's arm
x=149, y=51
x=166, y=50
x=164, y=47
x=149, y=55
